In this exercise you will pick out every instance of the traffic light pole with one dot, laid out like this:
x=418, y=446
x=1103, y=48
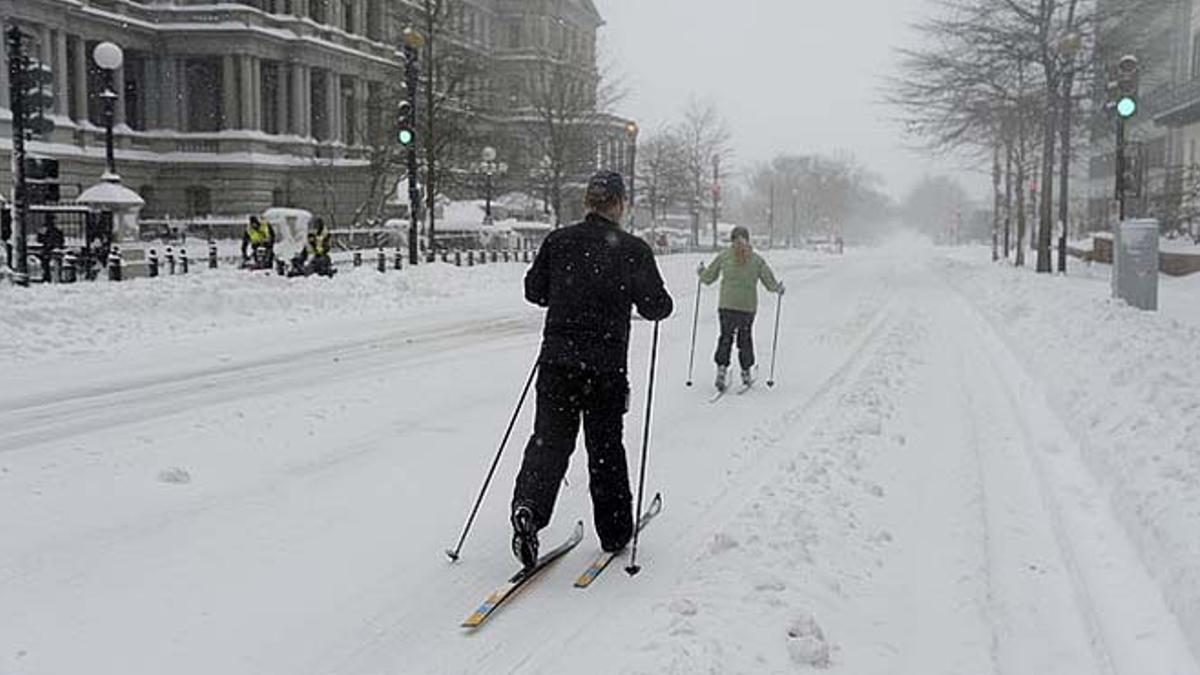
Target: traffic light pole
x=20, y=201
x=1120, y=170
x=412, y=79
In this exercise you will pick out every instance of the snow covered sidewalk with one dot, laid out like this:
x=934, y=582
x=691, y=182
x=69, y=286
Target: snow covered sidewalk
x=1127, y=385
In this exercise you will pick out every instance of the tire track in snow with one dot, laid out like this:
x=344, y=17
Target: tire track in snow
x=90, y=411
x=1128, y=635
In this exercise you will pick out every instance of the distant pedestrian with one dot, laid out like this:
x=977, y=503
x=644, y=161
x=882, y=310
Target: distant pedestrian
x=50, y=239
x=588, y=276
x=740, y=270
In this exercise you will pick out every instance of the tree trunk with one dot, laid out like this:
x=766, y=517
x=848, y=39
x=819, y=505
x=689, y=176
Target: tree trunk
x=997, y=201
x=1046, y=215
x=1064, y=203
x=1008, y=197
x=1022, y=174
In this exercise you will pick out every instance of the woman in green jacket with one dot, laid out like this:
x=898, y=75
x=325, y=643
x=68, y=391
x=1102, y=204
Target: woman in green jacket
x=740, y=270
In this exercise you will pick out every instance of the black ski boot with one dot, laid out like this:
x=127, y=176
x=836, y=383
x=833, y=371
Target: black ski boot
x=525, y=538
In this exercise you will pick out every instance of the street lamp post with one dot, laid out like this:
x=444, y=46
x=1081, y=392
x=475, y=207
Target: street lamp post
x=631, y=131
x=109, y=58
x=489, y=167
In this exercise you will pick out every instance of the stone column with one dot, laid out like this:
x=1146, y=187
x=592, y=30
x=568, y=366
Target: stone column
x=256, y=81
x=362, y=99
x=301, y=93
x=360, y=17
x=119, y=87
x=62, y=94
x=333, y=105
x=229, y=92
x=45, y=45
x=299, y=120
x=300, y=8
x=246, y=92
x=281, y=99
x=80, y=84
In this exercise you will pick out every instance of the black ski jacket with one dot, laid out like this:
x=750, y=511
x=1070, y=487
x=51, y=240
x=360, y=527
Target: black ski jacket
x=590, y=276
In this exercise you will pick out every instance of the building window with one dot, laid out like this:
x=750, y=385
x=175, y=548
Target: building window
x=203, y=112
x=134, y=69
x=514, y=35
x=199, y=201
x=277, y=198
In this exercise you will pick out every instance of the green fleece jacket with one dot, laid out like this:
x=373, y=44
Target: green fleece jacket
x=739, y=283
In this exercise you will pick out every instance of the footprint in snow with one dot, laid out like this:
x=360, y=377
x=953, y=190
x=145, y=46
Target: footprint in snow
x=683, y=607
x=722, y=542
x=806, y=643
x=175, y=475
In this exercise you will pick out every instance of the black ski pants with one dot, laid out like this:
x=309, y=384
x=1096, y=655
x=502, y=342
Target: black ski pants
x=564, y=397
x=735, y=323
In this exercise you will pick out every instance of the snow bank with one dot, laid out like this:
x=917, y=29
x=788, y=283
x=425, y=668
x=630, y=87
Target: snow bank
x=1128, y=383
x=53, y=321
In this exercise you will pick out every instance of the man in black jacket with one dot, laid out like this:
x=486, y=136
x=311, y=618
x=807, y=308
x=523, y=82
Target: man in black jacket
x=589, y=276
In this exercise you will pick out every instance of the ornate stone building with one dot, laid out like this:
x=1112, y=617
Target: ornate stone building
x=230, y=108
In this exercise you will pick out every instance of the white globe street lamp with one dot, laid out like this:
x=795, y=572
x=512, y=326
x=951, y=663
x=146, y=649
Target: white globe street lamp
x=109, y=58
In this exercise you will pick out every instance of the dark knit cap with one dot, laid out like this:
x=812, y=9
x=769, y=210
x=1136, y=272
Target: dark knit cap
x=605, y=189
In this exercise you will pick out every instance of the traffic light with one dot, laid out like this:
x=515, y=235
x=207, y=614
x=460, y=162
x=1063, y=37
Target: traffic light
x=41, y=180
x=406, y=126
x=35, y=96
x=1127, y=87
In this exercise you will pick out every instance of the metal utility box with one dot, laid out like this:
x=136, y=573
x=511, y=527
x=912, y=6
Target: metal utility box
x=1136, y=264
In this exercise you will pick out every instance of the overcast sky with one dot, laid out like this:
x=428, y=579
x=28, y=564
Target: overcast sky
x=788, y=75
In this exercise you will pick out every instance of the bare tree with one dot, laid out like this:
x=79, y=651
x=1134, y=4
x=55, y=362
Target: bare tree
x=569, y=103
x=663, y=172
x=705, y=141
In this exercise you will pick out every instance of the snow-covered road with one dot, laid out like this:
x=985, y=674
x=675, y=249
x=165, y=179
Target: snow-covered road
x=275, y=499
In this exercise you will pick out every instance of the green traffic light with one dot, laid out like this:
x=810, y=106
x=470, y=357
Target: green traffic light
x=1127, y=107
x=406, y=137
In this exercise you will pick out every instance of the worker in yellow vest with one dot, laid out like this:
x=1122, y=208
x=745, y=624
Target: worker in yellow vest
x=259, y=239
x=314, y=257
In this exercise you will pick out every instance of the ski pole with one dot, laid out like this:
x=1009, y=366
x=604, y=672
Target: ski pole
x=775, y=344
x=496, y=462
x=633, y=568
x=695, y=324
